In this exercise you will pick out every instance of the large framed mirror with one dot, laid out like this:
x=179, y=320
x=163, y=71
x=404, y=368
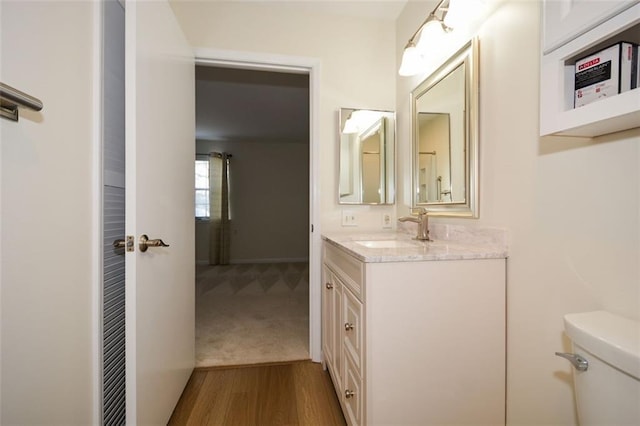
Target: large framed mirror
x=367, y=156
x=444, y=111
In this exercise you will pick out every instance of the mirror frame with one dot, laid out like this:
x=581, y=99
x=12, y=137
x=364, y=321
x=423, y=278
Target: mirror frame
x=469, y=55
x=390, y=149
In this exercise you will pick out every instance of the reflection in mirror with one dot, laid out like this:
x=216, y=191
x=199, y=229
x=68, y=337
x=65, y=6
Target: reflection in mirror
x=367, y=160
x=434, y=159
x=445, y=137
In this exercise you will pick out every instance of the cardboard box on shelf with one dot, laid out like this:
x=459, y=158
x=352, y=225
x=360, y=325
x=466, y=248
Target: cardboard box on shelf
x=611, y=71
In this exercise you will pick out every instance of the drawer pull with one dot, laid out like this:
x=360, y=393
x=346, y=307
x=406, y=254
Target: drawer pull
x=349, y=394
x=348, y=326
x=329, y=286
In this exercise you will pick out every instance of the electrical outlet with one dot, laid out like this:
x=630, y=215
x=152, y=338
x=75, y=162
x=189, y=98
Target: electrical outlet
x=386, y=221
x=349, y=218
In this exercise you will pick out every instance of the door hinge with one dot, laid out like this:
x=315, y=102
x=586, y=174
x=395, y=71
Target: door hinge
x=312, y=227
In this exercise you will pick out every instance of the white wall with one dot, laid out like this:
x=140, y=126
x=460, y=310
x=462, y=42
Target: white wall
x=357, y=66
x=46, y=221
x=269, y=201
x=572, y=209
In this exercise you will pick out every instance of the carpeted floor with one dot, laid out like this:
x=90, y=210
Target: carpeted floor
x=252, y=313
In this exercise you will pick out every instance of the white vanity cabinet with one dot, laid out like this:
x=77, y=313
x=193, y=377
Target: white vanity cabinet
x=342, y=328
x=572, y=30
x=415, y=342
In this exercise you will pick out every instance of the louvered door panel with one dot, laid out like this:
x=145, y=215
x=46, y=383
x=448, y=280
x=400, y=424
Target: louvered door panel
x=113, y=294
x=113, y=314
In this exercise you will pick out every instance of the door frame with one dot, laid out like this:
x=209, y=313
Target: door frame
x=310, y=66
x=97, y=214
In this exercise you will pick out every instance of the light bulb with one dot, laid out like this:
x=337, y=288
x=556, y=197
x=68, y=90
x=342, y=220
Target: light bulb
x=430, y=35
x=361, y=120
x=412, y=61
x=350, y=126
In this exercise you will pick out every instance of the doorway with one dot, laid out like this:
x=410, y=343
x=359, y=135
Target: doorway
x=256, y=308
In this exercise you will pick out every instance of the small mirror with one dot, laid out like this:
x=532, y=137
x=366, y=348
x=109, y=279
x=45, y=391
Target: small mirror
x=367, y=160
x=445, y=137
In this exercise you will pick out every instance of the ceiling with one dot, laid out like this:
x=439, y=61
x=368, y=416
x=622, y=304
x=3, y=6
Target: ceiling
x=251, y=106
x=374, y=9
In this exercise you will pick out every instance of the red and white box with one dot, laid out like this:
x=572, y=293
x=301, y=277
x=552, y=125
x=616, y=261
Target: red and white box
x=607, y=73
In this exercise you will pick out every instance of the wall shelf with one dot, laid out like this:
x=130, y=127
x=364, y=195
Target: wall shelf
x=614, y=114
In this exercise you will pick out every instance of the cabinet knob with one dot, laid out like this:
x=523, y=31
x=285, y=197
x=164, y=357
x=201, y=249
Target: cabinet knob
x=348, y=326
x=329, y=286
x=349, y=394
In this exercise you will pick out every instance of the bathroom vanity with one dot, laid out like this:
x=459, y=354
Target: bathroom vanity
x=414, y=332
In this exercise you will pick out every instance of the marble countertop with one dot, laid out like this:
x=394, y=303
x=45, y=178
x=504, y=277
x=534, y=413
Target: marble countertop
x=463, y=246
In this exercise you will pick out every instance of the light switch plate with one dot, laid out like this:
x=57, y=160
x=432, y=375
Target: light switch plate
x=349, y=218
x=386, y=221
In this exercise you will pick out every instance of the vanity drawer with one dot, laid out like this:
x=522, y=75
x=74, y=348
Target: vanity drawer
x=352, y=397
x=348, y=268
x=353, y=328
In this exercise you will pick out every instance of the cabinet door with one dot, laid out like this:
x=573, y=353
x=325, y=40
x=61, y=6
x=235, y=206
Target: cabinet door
x=328, y=328
x=563, y=21
x=331, y=323
x=353, y=393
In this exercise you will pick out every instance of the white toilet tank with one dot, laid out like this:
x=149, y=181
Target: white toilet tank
x=608, y=392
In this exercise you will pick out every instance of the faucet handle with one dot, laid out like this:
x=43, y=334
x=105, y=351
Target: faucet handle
x=418, y=211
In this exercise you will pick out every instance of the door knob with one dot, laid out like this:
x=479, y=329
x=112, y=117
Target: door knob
x=145, y=243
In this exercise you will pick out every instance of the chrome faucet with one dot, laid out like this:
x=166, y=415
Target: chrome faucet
x=419, y=215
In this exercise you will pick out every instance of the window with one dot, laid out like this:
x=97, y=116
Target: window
x=202, y=188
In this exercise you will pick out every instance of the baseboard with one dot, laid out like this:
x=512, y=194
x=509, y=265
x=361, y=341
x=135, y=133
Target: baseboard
x=259, y=364
x=274, y=260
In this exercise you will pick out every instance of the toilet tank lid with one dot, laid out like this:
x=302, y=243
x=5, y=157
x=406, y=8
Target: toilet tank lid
x=614, y=339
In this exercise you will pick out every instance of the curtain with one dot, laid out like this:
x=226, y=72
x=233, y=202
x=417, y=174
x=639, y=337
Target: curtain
x=219, y=241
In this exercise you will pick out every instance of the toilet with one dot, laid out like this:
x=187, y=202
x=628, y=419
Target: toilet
x=608, y=391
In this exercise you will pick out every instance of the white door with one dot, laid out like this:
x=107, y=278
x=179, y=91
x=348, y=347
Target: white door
x=160, y=123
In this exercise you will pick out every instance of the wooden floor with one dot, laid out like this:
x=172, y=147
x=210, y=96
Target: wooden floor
x=296, y=393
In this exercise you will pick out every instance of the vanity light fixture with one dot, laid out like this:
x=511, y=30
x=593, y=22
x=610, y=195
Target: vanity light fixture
x=360, y=120
x=412, y=60
x=428, y=34
x=350, y=126
x=432, y=34
x=462, y=12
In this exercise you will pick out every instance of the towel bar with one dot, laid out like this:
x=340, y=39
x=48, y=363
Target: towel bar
x=11, y=99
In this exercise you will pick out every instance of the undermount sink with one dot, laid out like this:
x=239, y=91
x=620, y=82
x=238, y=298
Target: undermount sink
x=388, y=243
